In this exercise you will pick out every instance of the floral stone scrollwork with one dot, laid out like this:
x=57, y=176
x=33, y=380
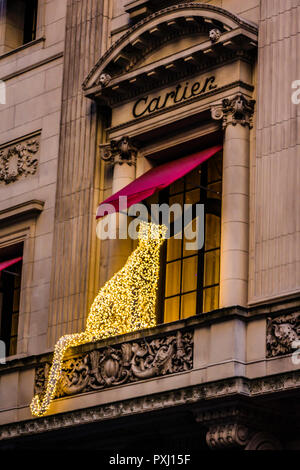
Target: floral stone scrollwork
x=122, y=364
x=282, y=332
x=19, y=160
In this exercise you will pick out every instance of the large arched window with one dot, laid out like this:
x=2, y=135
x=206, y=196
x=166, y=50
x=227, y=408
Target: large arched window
x=190, y=279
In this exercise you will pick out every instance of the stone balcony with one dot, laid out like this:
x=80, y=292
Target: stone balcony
x=238, y=357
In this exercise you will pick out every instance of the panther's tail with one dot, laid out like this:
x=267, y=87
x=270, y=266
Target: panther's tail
x=40, y=405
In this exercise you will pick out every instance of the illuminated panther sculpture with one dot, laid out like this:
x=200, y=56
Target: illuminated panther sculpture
x=126, y=303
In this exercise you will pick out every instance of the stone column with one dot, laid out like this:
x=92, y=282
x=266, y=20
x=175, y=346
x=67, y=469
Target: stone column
x=236, y=115
x=122, y=154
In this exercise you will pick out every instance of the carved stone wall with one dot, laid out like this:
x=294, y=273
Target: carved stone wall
x=282, y=332
x=122, y=364
x=19, y=159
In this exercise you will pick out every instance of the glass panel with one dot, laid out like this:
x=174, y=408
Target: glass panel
x=177, y=186
x=212, y=268
x=192, y=197
x=212, y=232
x=16, y=302
x=13, y=346
x=189, y=274
x=214, y=168
x=173, y=249
x=215, y=190
x=192, y=179
x=173, y=278
x=175, y=200
x=193, y=228
x=14, y=324
x=188, y=305
x=210, y=299
x=171, y=309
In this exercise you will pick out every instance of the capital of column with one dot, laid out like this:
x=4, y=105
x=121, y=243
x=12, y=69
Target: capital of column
x=236, y=110
x=120, y=151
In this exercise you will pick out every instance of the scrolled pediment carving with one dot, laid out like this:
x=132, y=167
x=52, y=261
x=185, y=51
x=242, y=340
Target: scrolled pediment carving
x=127, y=54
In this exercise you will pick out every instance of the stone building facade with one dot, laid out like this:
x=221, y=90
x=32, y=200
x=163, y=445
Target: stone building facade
x=93, y=94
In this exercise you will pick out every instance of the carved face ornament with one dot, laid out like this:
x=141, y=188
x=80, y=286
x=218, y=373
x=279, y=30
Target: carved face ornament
x=214, y=35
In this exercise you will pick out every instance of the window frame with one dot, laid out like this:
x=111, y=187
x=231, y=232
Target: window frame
x=211, y=206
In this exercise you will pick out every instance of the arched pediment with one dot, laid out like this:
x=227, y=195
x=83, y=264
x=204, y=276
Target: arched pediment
x=174, y=40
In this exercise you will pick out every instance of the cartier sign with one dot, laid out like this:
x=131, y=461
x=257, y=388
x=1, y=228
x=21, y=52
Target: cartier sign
x=182, y=92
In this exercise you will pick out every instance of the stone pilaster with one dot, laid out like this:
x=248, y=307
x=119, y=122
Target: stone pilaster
x=78, y=183
x=236, y=116
x=275, y=212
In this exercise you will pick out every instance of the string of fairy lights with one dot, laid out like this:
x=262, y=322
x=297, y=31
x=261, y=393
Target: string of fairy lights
x=125, y=304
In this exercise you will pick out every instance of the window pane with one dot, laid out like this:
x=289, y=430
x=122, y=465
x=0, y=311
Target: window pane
x=175, y=200
x=188, y=229
x=171, y=309
x=173, y=249
x=14, y=324
x=192, y=180
x=212, y=232
x=177, y=187
x=189, y=274
x=188, y=305
x=173, y=278
x=215, y=190
x=192, y=197
x=210, y=299
x=13, y=346
x=16, y=303
x=214, y=168
x=212, y=268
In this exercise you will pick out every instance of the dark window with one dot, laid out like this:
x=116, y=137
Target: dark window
x=190, y=279
x=30, y=20
x=10, y=286
x=21, y=23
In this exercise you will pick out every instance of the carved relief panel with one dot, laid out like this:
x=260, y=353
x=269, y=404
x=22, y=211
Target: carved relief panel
x=19, y=159
x=122, y=364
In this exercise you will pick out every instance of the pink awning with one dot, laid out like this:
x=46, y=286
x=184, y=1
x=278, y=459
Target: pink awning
x=7, y=264
x=156, y=179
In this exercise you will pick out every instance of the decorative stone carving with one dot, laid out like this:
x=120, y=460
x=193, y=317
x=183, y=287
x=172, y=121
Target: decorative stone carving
x=237, y=110
x=158, y=401
x=282, y=331
x=122, y=364
x=214, y=35
x=227, y=435
x=104, y=79
x=120, y=151
x=18, y=160
x=263, y=441
x=124, y=39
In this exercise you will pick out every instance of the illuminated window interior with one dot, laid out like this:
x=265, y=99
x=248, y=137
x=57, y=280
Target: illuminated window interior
x=10, y=286
x=190, y=279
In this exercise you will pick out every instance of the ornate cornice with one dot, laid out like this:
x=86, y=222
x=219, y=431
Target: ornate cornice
x=168, y=399
x=233, y=111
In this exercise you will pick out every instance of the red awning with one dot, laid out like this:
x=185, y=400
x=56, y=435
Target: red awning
x=156, y=179
x=7, y=264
